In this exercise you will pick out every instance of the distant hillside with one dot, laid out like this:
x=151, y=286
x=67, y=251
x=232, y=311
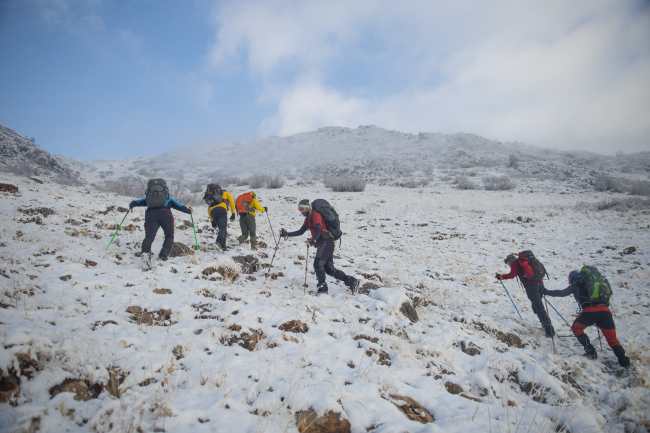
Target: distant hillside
x=20, y=156
x=378, y=155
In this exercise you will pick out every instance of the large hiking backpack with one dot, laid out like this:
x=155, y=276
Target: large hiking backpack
x=329, y=215
x=243, y=203
x=597, y=287
x=156, y=193
x=528, y=259
x=213, y=195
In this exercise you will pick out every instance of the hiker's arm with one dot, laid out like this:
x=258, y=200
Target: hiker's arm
x=302, y=230
x=179, y=207
x=138, y=203
x=514, y=267
x=561, y=293
x=318, y=229
x=256, y=205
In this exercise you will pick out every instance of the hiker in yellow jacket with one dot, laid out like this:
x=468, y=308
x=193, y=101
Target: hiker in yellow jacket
x=218, y=201
x=246, y=205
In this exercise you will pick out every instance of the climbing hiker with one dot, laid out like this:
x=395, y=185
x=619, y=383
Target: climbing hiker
x=530, y=272
x=158, y=214
x=247, y=204
x=592, y=292
x=323, y=240
x=218, y=201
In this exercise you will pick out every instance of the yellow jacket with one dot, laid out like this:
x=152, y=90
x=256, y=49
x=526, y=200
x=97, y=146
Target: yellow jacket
x=255, y=205
x=226, y=197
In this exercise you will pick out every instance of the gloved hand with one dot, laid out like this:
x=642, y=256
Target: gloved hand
x=284, y=234
x=266, y=209
x=498, y=276
x=543, y=291
x=132, y=205
x=214, y=223
x=311, y=242
x=232, y=217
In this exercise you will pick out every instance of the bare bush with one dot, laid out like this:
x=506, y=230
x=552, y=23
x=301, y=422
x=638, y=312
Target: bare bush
x=514, y=161
x=607, y=183
x=446, y=178
x=258, y=180
x=463, y=182
x=618, y=204
x=127, y=186
x=275, y=182
x=498, y=183
x=345, y=183
x=641, y=187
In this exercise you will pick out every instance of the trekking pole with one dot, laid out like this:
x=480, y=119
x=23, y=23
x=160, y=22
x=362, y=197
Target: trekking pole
x=271, y=225
x=304, y=288
x=549, y=323
x=558, y=313
x=195, y=239
x=600, y=339
x=513, y=302
x=118, y=228
x=271, y=266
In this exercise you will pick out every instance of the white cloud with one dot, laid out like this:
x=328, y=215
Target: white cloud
x=565, y=74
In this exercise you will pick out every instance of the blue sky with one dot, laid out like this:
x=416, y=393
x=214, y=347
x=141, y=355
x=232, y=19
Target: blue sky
x=116, y=79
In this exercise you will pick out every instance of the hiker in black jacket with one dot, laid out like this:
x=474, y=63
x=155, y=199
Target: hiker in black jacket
x=322, y=240
x=154, y=218
x=591, y=314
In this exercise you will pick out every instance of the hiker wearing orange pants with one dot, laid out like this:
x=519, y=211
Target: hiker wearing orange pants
x=593, y=313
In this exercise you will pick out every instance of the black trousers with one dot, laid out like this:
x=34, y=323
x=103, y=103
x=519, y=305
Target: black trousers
x=324, y=264
x=220, y=216
x=533, y=291
x=153, y=219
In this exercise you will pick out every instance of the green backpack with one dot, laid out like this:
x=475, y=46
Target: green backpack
x=597, y=287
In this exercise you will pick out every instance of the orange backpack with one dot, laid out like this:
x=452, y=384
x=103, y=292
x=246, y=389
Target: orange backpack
x=243, y=203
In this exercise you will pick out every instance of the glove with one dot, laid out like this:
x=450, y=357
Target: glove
x=543, y=291
x=498, y=276
x=266, y=209
x=284, y=234
x=214, y=224
x=311, y=242
x=232, y=217
x=131, y=205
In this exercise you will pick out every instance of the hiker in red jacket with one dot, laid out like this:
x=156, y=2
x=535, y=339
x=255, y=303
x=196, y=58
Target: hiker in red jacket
x=519, y=267
x=322, y=240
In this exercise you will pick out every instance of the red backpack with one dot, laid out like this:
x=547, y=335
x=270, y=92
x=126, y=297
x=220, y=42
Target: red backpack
x=532, y=268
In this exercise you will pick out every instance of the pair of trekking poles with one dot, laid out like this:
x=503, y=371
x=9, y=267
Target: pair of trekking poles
x=196, y=241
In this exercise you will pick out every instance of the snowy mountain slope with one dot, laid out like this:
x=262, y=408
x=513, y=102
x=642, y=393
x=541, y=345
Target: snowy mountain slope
x=379, y=155
x=182, y=362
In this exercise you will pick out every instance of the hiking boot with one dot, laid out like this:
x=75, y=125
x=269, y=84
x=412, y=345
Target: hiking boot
x=254, y=243
x=241, y=239
x=550, y=332
x=162, y=258
x=623, y=360
x=146, y=261
x=322, y=290
x=590, y=352
x=354, y=286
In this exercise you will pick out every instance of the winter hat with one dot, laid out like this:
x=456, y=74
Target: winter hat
x=252, y=193
x=573, y=276
x=304, y=203
x=511, y=258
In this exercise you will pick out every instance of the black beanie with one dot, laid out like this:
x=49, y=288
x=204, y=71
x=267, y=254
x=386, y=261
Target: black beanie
x=304, y=203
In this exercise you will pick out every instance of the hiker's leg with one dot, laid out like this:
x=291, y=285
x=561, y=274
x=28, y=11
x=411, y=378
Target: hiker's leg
x=533, y=293
x=584, y=320
x=251, y=230
x=243, y=225
x=319, y=265
x=605, y=322
x=220, y=216
x=330, y=269
x=167, y=223
x=151, y=225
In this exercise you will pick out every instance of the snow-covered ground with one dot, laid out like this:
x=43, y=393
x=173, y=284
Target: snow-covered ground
x=181, y=359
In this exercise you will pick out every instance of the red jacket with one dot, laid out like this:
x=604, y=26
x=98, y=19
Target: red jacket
x=311, y=222
x=520, y=269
